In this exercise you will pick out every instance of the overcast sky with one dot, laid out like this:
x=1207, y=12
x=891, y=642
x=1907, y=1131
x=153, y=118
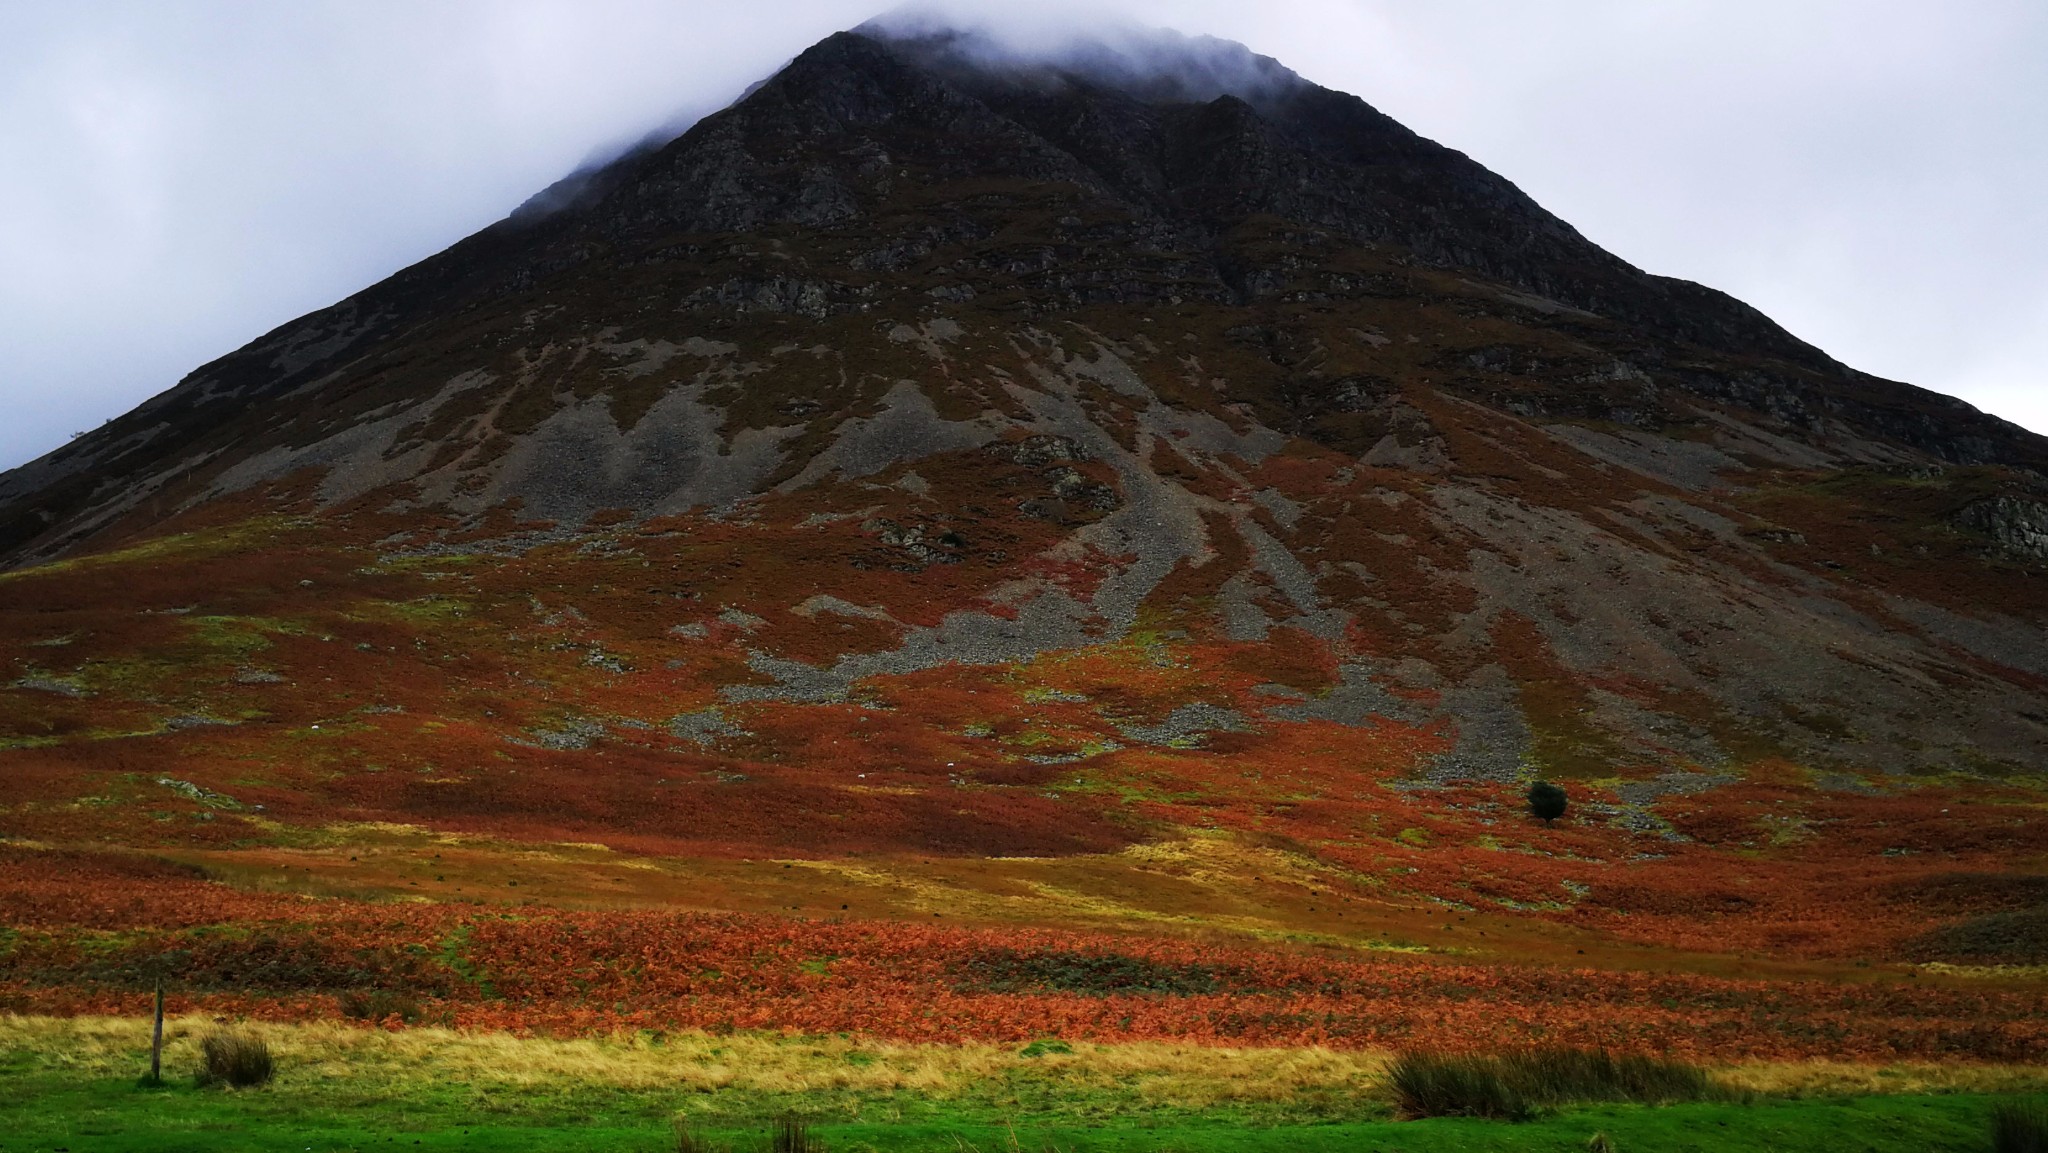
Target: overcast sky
x=179, y=176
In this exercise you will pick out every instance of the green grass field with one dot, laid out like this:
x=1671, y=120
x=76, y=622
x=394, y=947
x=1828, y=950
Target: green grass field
x=74, y=1086
x=48, y=1114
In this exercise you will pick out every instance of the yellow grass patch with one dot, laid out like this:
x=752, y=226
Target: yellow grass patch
x=1833, y=1079
x=1190, y=1077
x=1185, y=1076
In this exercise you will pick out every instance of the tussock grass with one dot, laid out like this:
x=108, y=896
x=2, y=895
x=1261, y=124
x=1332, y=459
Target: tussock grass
x=688, y=1139
x=240, y=1060
x=788, y=1134
x=1513, y=1086
x=1434, y=1085
x=2019, y=1127
x=791, y=1135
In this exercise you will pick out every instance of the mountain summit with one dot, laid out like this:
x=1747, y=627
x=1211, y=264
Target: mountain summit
x=942, y=450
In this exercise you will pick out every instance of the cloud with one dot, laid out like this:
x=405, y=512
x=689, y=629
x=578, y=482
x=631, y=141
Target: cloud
x=177, y=179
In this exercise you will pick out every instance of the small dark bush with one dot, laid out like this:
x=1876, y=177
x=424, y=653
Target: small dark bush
x=793, y=1136
x=1962, y=893
x=1513, y=1086
x=235, y=1059
x=205, y=959
x=380, y=1005
x=1547, y=801
x=2019, y=1127
x=2018, y=937
x=1089, y=973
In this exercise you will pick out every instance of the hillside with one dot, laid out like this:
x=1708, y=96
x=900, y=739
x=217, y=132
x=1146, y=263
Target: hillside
x=1135, y=494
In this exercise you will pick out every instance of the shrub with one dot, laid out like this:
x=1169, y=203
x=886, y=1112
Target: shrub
x=1512, y=1086
x=2017, y=937
x=791, y=1135
x=1090, y=973
x=235, y=1059
x=1547, y=801
x=2019, y=1127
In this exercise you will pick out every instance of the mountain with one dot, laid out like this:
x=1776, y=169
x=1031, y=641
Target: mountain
x=1105, y=455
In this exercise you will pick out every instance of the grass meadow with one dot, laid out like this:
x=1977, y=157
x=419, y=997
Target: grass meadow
x=76, y=1084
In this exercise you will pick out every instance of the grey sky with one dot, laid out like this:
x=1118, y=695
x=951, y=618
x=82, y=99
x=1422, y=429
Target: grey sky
x=178, y=177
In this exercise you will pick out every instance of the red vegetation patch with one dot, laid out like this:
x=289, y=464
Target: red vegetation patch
x=602, y=971
x=198, y=693
x=107, y=890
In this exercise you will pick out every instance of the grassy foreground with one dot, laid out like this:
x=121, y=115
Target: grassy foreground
x=72, y=1085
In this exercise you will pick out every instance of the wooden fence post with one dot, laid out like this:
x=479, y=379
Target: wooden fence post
x=156, y=1039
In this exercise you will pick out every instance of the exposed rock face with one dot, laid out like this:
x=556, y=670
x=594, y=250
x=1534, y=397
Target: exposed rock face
x=2016, y=525
x=1096, y=353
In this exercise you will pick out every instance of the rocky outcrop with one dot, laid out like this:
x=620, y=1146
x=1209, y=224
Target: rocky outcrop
x=2016, y=525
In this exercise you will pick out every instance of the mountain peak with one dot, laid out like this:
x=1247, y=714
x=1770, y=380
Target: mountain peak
x=1155, y=65
x=949, y=449
x=915, y=161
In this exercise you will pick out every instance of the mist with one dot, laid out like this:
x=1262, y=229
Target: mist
x=176, y=180
x=1047, y=47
